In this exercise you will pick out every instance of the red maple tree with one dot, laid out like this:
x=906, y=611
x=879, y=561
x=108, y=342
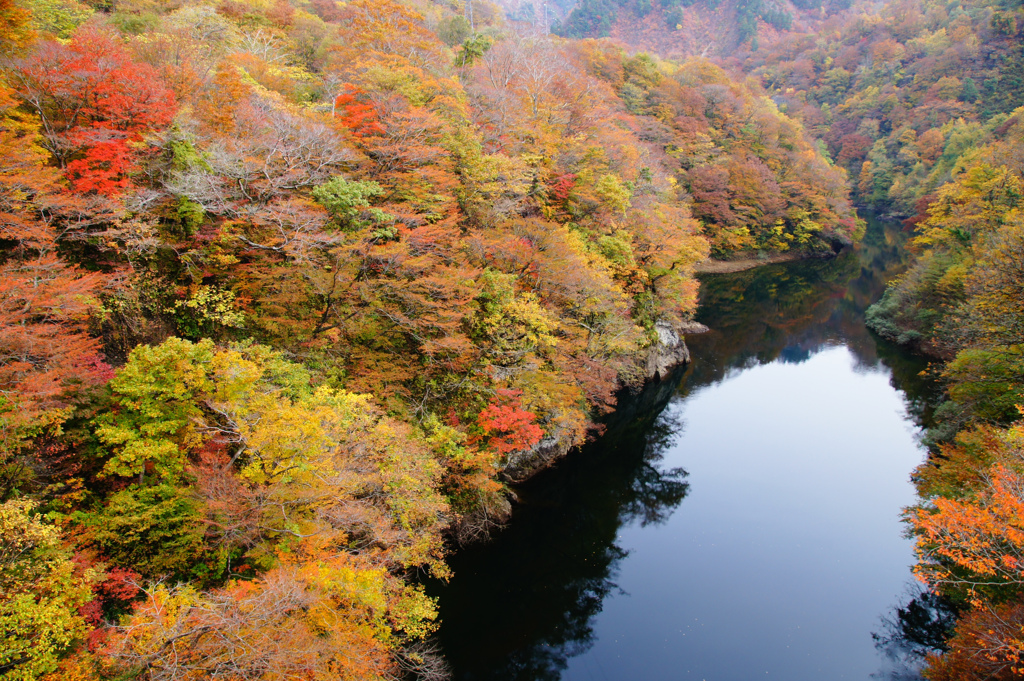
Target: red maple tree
x=359, y=117
x=94, y=104
x=506, y=426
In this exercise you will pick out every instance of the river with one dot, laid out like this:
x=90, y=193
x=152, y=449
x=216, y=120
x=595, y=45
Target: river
x=739, y=520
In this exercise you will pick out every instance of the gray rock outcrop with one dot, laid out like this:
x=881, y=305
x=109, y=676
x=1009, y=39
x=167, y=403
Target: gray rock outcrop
x=670, y=349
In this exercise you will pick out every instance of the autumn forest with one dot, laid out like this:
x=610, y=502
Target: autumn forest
x=294, y=293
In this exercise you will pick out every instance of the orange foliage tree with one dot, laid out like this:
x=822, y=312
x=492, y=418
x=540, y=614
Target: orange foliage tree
x=970, y=541
x=505, y=426
x=46, y=351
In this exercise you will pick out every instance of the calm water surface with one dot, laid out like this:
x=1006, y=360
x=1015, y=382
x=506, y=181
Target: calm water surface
x=740, y=520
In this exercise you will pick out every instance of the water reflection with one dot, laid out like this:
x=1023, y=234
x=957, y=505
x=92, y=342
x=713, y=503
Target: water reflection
x=540, y=584
x=915, y=628
x=790, y=312
x=524, y=605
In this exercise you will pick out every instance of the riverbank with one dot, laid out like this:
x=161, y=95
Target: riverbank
x=712, y=266
x=664, y=356
x=623, y=556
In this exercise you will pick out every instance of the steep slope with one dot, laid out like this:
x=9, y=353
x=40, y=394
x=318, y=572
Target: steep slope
x=292, y=290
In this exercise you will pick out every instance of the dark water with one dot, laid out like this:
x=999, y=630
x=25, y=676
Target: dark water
x=738, y=521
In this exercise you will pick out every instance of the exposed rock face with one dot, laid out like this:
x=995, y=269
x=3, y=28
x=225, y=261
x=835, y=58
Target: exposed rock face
x=528, y=462
x=670, y=351
x=692, y=327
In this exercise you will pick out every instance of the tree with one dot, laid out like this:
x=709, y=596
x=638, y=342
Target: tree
x=345, y=200
x=94, y=105
x=971, y=543
x=987, y=374
x=46, y=352
x=14, y=31
x=987, y=645
x=41, y=591
x=322, y=617
x=308, y=463
x=358, y=116
x=376, y=29
x=153, y=427
x=454, y=30
x=505, y=426
x=975, y=542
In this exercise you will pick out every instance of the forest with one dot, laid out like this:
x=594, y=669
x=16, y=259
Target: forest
x=920, y=103
x=292, y=292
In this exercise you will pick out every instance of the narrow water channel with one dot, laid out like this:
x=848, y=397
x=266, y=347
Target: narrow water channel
x=738, y=521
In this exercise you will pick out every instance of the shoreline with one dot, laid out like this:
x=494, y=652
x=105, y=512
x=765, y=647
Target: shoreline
x=664, y=357
x=712, y=266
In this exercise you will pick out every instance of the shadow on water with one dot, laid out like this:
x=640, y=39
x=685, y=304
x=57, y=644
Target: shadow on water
x=918, y=626
x=522, y=605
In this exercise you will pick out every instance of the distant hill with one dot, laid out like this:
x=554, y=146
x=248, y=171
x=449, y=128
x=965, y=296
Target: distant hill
x=682, y=28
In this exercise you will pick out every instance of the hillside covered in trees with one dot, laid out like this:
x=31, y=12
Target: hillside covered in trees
x=921, y=103
x=290, y=291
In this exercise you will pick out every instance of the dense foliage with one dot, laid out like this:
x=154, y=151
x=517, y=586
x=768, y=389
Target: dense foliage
x=902, y=92
x=963, y=300
x=919, y=101
x=653, y=23
x=290, y=291
x=754, y=178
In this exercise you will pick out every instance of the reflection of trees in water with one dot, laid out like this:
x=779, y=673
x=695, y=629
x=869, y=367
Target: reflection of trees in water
x=910, y=374
x=522, y=605
x=656, y=493
x=565, y=633
x=790, y=312
x=919, y=625
x=780, y=312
